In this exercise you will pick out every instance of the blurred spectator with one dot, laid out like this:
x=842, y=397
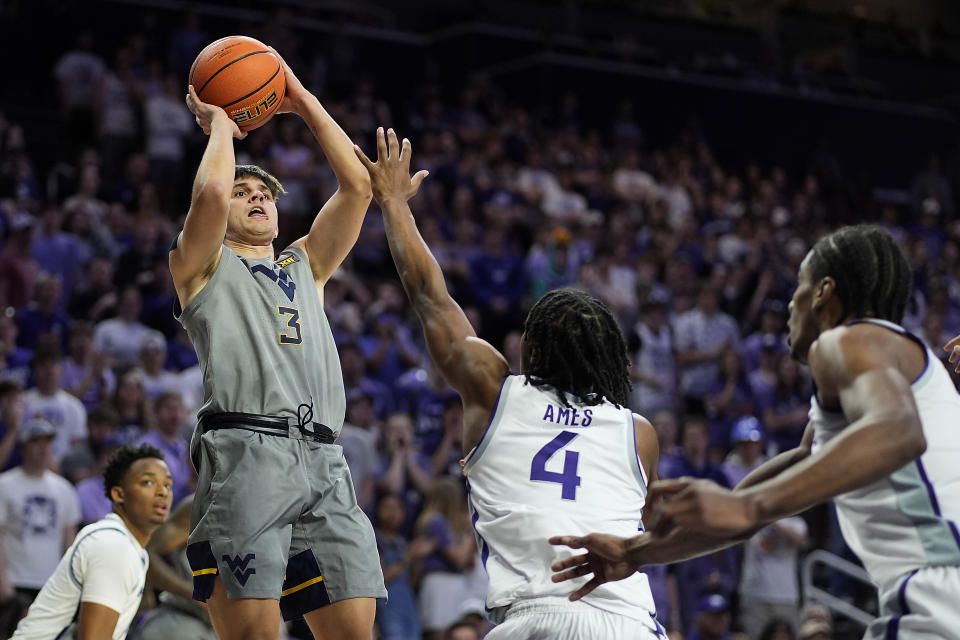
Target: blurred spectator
x=180, y=352
x=14, y=359
x=165, y=435
x=358, y=437
x=498, y=283
x=81, y=461
x=703, y=335
x=727, y=401
x=353, y=366
x=59, y=252
x=50, y=402
x=186, y=41
x=398, y=617
x=168, y=122
x=778, y=629
x=785, y=411
x=404, y=470
x=769, y=588
x=694, y=461
x=116, y=105
x=159, y=296
x=671, y=453
x=931, y=185
x=94, y=504
x=445, y=582
x=78, y=73
x=293, y=164
x=12, y=401
x=746, y=438
x=97, y=297
x=462, y=630
x=769, y=335
x=39, y=514
x=390, y=350
x=423, y=392
x=654, y=370
x=156, y=380
x=42, y=323
x=121, y=337
x=132, y=405
x=712, y=618
x=140, y=258
x=549, y=265
x=446, y=458
x=87, y=373
x=18, y=269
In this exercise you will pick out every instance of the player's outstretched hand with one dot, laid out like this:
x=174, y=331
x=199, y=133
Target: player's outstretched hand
x=954, y=348
x=390, y=175
x=295, y=93
x=698, y=505
x=607, y=558
x=207, y=114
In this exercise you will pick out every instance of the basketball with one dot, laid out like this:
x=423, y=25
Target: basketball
x=242, y=76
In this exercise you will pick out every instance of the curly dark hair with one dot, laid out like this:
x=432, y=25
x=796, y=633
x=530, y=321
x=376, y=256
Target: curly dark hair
x=573, y=344
x=872, y=274
x=121, y=461
x=276, y=189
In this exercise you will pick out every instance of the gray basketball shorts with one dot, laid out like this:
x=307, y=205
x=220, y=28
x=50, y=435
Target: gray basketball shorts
x=277, y=517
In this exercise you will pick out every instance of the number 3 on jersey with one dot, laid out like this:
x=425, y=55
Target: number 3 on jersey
x=293, y=322
x=568, y=478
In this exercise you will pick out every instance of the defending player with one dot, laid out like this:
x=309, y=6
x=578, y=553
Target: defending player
x=882, y=440
x=554, y=446
x=275, y=517
x=100, y=578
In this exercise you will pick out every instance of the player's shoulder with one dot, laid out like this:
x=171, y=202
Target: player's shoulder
x=852, y=341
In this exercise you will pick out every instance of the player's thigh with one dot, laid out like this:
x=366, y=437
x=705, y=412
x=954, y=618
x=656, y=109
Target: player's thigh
x=350, y=619
x=242, y=618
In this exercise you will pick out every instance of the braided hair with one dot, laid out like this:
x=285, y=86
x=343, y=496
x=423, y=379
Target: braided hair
x=872, y=274
x=573, y=344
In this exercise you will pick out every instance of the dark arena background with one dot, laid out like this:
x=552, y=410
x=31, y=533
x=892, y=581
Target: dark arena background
x=670, y=157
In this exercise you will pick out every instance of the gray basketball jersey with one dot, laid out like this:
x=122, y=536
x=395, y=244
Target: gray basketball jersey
x=264, y=342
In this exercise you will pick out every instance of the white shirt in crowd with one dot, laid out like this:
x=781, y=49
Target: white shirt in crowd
x=67, y=415
x=34, y=514
x=119, y=339
x=105, y=565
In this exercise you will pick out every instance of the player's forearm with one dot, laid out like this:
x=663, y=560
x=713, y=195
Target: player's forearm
x=163, y=577
x=677, y=546
x=771, y=468
x=860, y=455
x=337, y=147
x=214, y=178
x=418, y=269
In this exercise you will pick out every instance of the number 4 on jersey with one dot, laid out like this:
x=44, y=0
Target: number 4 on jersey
x=568, y=478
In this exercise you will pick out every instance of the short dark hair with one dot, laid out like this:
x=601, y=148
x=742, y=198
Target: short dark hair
x=121, y=461
x=104, y=413
x=276, y=189
x=45, y=355
x=9, y=386
x=573, y=343
x=872, y=274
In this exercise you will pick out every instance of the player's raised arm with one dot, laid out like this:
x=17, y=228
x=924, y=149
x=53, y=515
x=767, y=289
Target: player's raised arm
x=336, y=227
x=471, y=366
x=198, y=247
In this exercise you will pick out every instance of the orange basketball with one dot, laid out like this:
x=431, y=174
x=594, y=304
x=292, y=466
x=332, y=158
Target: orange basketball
x=241, y=75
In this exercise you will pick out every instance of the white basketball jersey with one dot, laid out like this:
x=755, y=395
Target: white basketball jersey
x=542, y=470
x=907, y=520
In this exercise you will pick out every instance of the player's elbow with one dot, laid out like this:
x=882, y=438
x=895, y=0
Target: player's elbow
x=358, y=186
x=211, y=193
x=912, y=444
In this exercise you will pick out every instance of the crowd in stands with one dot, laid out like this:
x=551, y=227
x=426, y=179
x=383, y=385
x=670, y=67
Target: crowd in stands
x=696, y=258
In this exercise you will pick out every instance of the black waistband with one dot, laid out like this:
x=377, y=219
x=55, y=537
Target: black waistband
x=272, y=425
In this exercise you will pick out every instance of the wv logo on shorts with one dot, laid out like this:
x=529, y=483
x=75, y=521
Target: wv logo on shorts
x=239, y=567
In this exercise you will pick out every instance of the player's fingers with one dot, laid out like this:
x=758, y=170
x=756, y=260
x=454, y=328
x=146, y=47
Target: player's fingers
x=953, y=344
x=393, y=145
x=364, y=160
x=572, y=561
x=570, y=574
x=405, y=154
x=955, y=354
x=664, y=488
x=381, y=145
x=585, y=589
x=418, y=178
x=574, y=542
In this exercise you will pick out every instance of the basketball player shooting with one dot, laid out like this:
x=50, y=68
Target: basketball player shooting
x=554, y=446
x=276, y=529
x=882, y=441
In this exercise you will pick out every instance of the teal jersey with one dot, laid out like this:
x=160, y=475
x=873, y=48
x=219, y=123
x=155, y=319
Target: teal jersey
x=264, y=342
